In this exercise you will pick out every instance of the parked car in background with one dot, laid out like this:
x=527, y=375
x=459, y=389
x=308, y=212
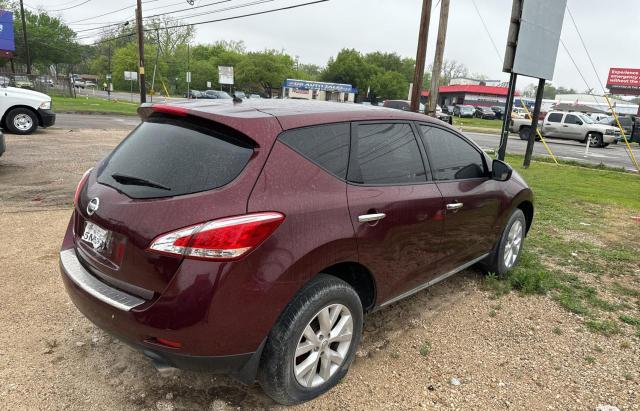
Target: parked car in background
x=22, y=111
x=239, y=94
x=484, y=113
x=255, y=96
x=625, y=121
x=519, y=112
x=22, y=82
x=464, y=111
x=90, y=84
x=569, y=126
x=216, y=94
x=4, y=81
x=226, y=273
x=77, y=83
x=405, y=105
x=499, y=111
x=194, y=94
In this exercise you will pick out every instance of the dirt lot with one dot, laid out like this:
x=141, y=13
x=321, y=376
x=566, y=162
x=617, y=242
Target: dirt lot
x=510, y=352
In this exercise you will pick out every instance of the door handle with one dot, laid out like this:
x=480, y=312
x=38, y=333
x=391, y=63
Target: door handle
x=454, y=206
x=367, y=218
x=564, y=125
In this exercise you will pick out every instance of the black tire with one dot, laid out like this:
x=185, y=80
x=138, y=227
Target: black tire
x=495, y=261
x=276, y=373
x=523, y=133
x=598, y=142
x=17, y=121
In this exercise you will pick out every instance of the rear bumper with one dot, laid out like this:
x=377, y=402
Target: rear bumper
x=118, y=313
x=48, y=117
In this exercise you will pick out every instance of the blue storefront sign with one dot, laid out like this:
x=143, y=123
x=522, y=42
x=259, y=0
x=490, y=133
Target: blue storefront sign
x=320, y=86
x=6, y=31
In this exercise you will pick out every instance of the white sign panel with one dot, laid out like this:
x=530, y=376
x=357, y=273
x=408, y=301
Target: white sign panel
x=208, y=84
x=188, y=77
x=538, y=38
x=130, y=75
x=225, y=74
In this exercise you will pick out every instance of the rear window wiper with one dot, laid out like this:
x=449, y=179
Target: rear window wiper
x=137, y=181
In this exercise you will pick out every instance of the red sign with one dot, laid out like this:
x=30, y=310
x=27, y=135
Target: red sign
x=624, y=81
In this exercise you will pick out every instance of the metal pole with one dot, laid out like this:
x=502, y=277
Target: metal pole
x=534, y=123
x=437, y=60
x=143, y=86
x=504, y=134
x=110, y=75
x=421, y=55
x=24, y=36
x=155, y=65
x=188, y=82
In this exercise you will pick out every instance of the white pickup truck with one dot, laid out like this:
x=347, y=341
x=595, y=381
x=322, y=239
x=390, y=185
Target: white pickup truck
x=22, y=111
x=571, y=126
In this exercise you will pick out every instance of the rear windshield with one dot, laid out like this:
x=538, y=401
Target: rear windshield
x=165, y=157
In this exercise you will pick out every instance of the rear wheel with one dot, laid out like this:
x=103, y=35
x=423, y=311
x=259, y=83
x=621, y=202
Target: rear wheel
x=312, y=345
x=22, y=121
x=507, y=252
x=524, y=133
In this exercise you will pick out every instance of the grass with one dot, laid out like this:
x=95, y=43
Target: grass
x=572, y=253
x=477, y=123
x=425, y=348
x=93, y=105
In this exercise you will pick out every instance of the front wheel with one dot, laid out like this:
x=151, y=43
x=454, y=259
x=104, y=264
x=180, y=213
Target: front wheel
x=507, y=252
x=22, y=121
x=312, y=345
x=595, y=140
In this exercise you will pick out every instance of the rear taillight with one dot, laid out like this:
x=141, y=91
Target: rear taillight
x=81, y=184
x=219, y=240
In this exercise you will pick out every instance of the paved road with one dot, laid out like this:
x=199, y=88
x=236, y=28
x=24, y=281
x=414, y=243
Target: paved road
x=614, y=155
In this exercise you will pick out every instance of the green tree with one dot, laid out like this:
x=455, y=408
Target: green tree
x=389, y=85
x=350, y=67
x=392, y=62
x=51, y=42
x=262, y=71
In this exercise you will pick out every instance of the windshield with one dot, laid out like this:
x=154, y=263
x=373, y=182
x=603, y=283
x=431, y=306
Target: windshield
x=605, y=120
x=586, y=119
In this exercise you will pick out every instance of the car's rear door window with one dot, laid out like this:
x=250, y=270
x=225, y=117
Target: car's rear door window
x=451, y=156
x=386, y=153
x=165, y=157
x=327, y=145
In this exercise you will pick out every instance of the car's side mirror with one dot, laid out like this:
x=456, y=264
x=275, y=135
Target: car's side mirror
x=579, y=122
x=500, y=171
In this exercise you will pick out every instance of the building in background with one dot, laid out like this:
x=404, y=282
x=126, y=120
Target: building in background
x=471, y=94
x=465, y=81
x=317, y=90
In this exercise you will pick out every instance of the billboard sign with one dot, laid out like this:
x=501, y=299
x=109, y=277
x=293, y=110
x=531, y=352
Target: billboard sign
x=320, y=86
x=537, y=40
x=624, y=81
x=130, y=75
x=225, y=74
x=6, y=31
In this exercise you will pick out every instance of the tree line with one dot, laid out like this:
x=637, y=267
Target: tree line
x=56, y=49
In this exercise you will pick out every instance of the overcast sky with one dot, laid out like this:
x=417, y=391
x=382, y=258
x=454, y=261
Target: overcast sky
x=317, y=32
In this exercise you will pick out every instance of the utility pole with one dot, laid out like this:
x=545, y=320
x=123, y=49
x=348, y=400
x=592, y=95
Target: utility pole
x=143, y=87
x=437, y=60
x=24, y=36
x=155, y=65
x=421, y=55
x=109, y=75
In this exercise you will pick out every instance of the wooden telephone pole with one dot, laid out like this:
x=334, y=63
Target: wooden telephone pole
x=421, y=55
x=143, y=86
x=437, y=61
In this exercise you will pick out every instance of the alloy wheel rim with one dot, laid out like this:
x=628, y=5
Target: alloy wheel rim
x=513, y=243
x=593, y=140
x=323, y=346
x=22, y=122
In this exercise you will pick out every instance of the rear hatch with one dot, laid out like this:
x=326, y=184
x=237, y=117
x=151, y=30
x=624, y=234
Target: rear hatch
x=169, y=173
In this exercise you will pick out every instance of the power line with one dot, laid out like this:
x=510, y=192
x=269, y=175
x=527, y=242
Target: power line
x=108, y=13
x=295, y=6
x=593, y=66
x=70, y=7
x=500, y=58
x=170, y=12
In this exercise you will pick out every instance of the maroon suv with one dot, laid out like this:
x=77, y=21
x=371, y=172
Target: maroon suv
x=250, y=238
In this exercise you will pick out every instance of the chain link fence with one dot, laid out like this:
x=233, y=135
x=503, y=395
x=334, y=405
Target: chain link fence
x=53, y=86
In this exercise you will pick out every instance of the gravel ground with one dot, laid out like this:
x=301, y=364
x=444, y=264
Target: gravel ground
x=452, y=346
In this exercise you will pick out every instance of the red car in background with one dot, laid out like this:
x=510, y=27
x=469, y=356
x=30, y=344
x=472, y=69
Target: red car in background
x=251, y=238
